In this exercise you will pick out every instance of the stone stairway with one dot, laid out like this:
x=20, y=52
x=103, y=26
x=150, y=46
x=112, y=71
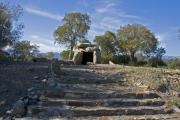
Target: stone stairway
x=76, y=99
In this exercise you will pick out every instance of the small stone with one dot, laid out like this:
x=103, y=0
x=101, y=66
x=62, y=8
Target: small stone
x=2, y=102
x=36, y=77
x=105, y=78
x=111, y=63
x=9, y=112
x=8, y=118
x=53, y=112
x=52, y=84
x=42, y=98
x=123, y=80
x=30, y=89
x=44, y=80
x=43, y=115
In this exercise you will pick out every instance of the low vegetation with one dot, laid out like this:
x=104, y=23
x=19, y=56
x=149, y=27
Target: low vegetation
x=163, y=80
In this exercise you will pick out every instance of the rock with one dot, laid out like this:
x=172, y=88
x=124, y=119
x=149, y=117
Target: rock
x=78, y=57
x=53, y=112
x=2, y=102
x=9, y=112
x=44, y=80
x=105, y=78
x=42, y=98
x=36, y=77
x=111, y=63
x=19, y=108
x=52, y=84
x=163, y=88
x=137, y=84
x=43, y=115
x=30, y=89
x=123, y=80
x=8, y=118
x=176, y=109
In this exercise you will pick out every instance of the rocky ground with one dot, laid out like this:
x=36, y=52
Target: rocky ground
x=96, y=92
x=16, y=78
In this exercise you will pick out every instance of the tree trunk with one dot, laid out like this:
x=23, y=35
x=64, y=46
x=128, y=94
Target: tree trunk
x=132, y=58
x=71, y=53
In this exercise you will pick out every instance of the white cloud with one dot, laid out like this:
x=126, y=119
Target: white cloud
x=44, y=13
x=48, y=48
x=161, y=38
x=105, y=8
x=45, y=44
x=110, y=7
x=108, y=16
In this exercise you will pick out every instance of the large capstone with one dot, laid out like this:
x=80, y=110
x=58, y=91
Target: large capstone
x=86, y=52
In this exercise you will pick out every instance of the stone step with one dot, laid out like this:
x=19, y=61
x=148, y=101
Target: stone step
x=99, y=95
x=94, y=87
x=128, y=117
x=84, y=80
x=112, y=102
x=100, y=111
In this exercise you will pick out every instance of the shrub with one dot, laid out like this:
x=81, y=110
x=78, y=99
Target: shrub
x=5, y=58
x=65, y=54
x=174, y=64
x=106, y=59
x=123, y=59
x=141, y=63
x=155, y=62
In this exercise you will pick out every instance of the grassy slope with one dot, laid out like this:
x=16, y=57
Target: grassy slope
x=165, y=81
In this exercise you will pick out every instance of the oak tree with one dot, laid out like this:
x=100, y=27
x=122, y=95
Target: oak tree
x=75, y=27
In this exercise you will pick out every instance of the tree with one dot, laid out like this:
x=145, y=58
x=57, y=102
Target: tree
x=64, y=54
x=107, y=45
x=159, y=53
x=35, y=51
x=10, y=27
x=135, y=37
x=84, y=41
x=24, y=50
x=75, y=27
x=50, y=55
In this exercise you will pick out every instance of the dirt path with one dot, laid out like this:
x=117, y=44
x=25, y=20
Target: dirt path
x=91, y=92
x=98, y=92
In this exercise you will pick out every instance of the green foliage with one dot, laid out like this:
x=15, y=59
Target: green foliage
x=174, y=64
x=50, y=55
x=123, y=59
x=84, y=41
x=5, y=58
x=155, y=62
x=64, y=54
x=159, y=52
x=75, y=27
x=23, y=50
x=10, y=28
x=107, y=46
x=136, y=37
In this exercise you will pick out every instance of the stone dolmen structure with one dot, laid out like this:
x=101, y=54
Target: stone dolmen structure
x=86, y=52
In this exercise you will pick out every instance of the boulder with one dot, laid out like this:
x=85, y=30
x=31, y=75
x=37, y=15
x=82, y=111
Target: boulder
x=111, y=63
x=78, y=57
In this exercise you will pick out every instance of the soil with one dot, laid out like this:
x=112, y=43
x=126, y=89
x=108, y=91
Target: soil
x=16, y=78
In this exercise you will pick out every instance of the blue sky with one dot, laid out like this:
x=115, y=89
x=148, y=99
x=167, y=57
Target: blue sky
x=42, y=17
